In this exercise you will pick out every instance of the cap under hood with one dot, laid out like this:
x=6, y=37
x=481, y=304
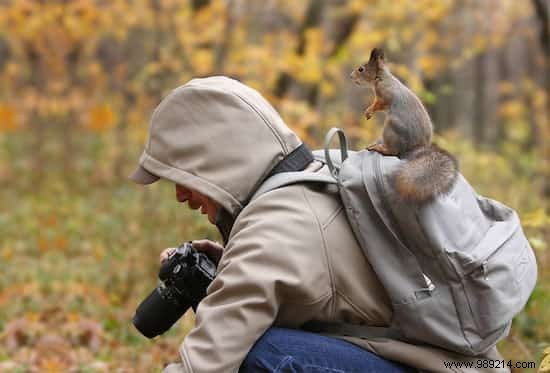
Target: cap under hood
x=216, y=136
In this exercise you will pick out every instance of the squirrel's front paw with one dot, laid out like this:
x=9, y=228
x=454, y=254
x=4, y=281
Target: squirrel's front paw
x=368, y=114
x=373, y=146
x=382, y=149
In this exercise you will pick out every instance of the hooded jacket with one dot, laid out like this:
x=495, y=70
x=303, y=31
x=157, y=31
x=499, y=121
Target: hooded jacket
x=290, y=255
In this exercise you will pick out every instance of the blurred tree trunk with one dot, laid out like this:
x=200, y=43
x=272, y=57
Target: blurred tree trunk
x=312, y=18
x=532, y=54
x=486, y=99
x=343, y=26
x=36, y=79
x=441, y=110
x=69, y=131
x=155, y=55
x=542, y=11
x=198, y=4
x=223, y=47
x=465, y=100
x=337, y=31
x=505, y=77
x=479, y=109
x=5, y=53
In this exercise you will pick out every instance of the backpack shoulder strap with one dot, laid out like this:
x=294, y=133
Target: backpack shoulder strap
x=327, y=156
x=287, y=178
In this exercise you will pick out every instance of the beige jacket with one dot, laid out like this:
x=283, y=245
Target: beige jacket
x=291, y=256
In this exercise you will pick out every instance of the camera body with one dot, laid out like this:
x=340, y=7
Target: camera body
x=184, y=277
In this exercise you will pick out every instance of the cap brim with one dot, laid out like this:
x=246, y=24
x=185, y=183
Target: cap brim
x=142, y=176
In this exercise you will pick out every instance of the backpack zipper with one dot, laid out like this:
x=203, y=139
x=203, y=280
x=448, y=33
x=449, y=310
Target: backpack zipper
x=430, y=287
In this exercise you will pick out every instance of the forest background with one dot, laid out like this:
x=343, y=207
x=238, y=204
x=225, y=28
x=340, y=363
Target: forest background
x=79, y=242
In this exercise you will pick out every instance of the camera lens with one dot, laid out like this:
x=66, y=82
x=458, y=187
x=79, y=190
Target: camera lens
x=155, y=315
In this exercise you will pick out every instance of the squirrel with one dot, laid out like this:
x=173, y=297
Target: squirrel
x=429, y=171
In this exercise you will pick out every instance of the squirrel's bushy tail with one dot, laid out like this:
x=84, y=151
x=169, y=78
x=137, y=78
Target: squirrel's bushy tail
x=428, y=172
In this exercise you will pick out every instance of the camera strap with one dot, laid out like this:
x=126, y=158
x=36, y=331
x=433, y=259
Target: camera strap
x=297, y=160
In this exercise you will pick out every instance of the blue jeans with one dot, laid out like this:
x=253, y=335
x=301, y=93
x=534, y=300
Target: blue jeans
x=293, y=351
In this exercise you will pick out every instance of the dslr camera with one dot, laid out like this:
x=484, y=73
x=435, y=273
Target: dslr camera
x=184, y=277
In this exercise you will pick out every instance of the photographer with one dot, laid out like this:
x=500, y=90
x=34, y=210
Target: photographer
x=290, y=256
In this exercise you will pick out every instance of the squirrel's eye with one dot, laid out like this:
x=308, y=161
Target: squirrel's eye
x=360, y=69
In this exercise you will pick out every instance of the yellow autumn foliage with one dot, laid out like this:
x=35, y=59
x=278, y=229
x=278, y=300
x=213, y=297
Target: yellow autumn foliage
x=431, y=65
x=512, y=109
x=101, y=118
x=8, y=118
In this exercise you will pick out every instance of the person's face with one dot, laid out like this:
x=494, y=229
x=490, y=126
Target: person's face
x=196, y=200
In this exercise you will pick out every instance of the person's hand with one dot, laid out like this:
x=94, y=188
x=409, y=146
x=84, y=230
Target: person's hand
x=166, y=254
x=213, y=249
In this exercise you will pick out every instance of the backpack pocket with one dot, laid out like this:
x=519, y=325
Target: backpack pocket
x=497, y=277
x=432, y=320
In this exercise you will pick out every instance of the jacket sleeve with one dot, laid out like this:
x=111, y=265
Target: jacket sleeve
x=255, y=277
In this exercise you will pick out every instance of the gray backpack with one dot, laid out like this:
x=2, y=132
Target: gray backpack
x=457, y=269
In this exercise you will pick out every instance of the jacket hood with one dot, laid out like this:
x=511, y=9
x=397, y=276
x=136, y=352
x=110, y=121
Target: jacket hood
x=216, y=136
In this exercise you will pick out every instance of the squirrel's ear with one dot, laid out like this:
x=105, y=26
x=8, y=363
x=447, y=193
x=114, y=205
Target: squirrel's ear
x=376, y=54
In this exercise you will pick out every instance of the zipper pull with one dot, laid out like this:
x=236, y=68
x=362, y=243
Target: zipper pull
x=484, y=267
x=429, y=283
